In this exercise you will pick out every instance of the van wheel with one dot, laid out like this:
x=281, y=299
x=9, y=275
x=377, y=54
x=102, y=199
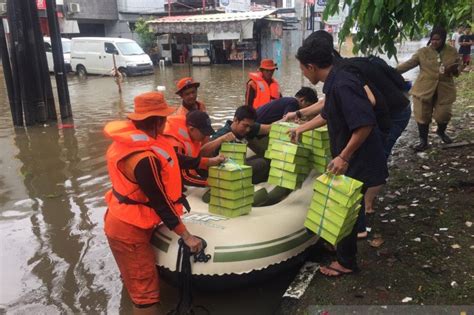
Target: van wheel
x=81, y=71
x=124, y=72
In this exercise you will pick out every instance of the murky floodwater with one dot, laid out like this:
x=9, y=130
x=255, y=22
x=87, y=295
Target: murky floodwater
x=54, y=256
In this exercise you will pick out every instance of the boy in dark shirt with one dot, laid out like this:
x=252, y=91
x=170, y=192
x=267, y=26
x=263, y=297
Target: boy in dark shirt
x=465, y=42
x=356, y=144
x=275, y=110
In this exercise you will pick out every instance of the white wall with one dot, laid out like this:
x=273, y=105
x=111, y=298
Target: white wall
x=141, y=6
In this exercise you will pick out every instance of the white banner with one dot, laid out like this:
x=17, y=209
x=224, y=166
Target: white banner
x=235, y=5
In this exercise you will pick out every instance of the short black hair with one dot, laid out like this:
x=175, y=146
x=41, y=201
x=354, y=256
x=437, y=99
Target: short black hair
x=316, y=50
x=244, y=112
x=310, y=95
x=324, y=36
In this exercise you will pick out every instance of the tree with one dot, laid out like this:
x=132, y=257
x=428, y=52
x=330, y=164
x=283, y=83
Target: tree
x=147, y=37
x=380, y=23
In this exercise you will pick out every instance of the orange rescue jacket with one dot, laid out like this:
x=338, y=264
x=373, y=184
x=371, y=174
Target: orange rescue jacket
x=128, y=140
x=264, y=92
x=177, y=132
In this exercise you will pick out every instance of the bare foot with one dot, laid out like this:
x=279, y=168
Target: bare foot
x=335, y=269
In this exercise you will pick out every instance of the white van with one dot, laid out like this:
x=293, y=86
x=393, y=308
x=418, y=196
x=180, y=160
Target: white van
x=94, y=55
x=66, y=51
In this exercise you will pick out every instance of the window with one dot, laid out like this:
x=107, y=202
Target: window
x=110, y=48
x=130, y=48
x=288, y=3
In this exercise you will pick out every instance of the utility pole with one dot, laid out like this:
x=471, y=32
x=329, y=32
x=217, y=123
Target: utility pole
x=58, y=58
x=15, y=103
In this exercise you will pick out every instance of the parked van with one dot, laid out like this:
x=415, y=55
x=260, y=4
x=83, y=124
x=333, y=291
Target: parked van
x=66, y=51
x=94, y=55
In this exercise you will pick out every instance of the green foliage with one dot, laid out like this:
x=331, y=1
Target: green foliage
x=380, y=24
x=147, y=37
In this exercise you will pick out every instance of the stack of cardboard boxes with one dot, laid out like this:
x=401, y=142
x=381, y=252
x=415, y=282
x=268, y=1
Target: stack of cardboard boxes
x=234, y=151
x=317, y=141
x=231, y=189
x=334, y=207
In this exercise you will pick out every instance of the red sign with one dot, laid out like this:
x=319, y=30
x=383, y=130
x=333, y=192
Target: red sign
x=41, y=4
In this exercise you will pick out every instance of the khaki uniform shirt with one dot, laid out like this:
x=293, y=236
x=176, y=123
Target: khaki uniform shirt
x=430, y=81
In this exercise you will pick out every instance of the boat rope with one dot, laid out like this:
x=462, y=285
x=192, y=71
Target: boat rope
x=325, y=206
x=183, y=267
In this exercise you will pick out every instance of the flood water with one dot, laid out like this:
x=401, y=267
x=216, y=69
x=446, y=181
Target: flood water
x=54, y=256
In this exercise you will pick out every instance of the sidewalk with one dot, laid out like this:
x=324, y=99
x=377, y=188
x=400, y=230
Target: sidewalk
x=424, y=217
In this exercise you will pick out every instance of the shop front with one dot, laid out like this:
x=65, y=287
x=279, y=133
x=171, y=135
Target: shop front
x=220, y=38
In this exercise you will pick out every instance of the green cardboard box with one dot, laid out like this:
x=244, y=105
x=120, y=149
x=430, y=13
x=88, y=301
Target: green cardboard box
x=315, y=143
x=321, y=160
x=275, y=135
x=339, y=216
x=319, y=168
x=231, y=213
x=283, y=126
x=288, y=157
x=268, y=154
x=235, y=156
x=230, y=184
x=325, y=234
x=320, y=152
x=320, y=133
x=290, y=148
x=233, y=147
x=329, y=225
x=296, y=177
x=331, y=204
x=342, y=189
x=290, y=167
x=230, y=171
x=231, y=204
x=285, y=183
x=232, y=194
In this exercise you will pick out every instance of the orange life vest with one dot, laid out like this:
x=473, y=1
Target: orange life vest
x=182, y=111
x=125, y=200
x=177, y=132
x=264, y=92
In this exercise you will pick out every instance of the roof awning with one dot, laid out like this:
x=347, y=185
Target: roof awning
x=217, y=26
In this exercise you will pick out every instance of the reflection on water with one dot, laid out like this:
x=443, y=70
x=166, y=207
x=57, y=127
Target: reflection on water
x=54, y=257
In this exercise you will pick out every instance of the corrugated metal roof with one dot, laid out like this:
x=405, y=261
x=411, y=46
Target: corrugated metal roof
x=209, y=18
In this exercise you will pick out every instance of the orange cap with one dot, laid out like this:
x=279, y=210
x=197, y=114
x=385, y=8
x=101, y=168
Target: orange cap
x=185, y=83
x=268, y=64
x=150, y=104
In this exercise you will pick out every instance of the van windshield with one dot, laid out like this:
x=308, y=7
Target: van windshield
x=66, y=47
x=130, y=48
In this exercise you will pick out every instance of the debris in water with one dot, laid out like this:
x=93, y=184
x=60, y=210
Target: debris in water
x=443, y=229
x=422, y=155
x=401, y=207
x=407, y=299
x=411, y=215
x=455, y=246
x=417, y=239
x=429, y=174
x=454, y=284
x=468, y=223
x=425, y=167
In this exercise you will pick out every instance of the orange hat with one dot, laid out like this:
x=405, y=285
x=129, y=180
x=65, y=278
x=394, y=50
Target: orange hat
x=185, y=83
x=150, y=104
x=268, y=64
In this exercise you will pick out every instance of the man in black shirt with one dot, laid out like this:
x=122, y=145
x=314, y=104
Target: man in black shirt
x=356, y=144
x=465, y=42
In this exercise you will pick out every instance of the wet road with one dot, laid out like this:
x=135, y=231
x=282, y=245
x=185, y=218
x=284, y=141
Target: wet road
x=54, y=256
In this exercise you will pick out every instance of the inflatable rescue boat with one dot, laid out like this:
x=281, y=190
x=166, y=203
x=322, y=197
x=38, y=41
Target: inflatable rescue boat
x=250, y=247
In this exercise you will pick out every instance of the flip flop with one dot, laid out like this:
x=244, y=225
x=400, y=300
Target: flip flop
x=338, y=272
x=362, y=235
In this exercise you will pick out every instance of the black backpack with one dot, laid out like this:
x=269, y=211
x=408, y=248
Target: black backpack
x=387, y=85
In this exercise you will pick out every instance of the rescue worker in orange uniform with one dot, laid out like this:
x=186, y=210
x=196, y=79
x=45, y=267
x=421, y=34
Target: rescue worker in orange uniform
x=187, y=89
x=187, y=134
x=262, y=87
x=146, y=190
